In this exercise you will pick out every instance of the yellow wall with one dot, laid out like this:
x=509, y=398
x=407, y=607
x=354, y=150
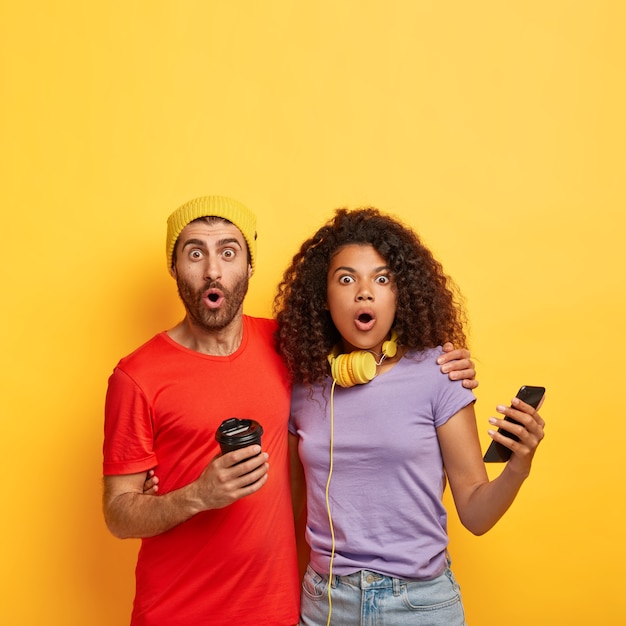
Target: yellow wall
x=496, y=129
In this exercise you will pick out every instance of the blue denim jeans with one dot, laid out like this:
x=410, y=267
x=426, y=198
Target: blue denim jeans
x=370, y=599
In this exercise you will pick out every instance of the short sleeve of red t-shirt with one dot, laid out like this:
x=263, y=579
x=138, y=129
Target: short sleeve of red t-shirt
x=129, y=437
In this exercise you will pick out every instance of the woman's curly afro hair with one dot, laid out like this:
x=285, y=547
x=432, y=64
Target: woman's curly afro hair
x=428, y=313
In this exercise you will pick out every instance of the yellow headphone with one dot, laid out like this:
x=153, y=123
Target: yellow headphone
x=359, y=367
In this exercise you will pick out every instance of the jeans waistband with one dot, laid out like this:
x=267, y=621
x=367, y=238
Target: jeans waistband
x=367, y=579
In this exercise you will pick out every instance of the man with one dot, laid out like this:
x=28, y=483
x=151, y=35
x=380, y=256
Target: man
x=218, y=542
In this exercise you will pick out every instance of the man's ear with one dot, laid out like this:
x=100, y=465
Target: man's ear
x=173, y=272
x=250, y=271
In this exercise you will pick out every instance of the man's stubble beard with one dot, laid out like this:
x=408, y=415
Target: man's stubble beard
x=213, y=319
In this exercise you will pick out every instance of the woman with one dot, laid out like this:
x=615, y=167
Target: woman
x=376, y=429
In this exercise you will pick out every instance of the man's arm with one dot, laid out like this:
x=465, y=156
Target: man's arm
x=129, y=512
x=458, y=365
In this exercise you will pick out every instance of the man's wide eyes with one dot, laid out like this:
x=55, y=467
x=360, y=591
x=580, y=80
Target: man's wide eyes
x=228, y=254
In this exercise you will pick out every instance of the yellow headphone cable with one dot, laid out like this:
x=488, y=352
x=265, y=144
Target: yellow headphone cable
x=330, y=518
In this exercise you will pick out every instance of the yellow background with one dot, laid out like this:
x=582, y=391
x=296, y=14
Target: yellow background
x=496, y=129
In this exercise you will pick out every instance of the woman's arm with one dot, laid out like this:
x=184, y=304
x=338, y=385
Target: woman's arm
x=298, y=484
x=298, y=498
x=480, y=502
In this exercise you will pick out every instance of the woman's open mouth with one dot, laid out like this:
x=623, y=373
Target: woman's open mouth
x=365, y=321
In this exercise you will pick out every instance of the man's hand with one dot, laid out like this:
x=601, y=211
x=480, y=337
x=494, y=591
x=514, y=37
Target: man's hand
x=230, y=477
x=458, y=365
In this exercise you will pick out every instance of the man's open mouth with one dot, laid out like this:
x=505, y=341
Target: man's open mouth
x=214, y=298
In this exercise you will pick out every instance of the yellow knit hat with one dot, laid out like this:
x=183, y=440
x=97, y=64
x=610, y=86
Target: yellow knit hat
x=206, y=206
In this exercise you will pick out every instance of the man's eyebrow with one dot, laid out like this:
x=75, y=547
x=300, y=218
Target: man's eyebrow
x=228, y=241
x=222, y=242
x=193, y=242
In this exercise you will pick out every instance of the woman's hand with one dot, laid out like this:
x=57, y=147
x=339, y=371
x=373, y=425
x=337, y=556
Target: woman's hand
x=529, y=430
x=151, y=486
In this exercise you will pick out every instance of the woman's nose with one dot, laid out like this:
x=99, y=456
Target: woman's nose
x=364, y=294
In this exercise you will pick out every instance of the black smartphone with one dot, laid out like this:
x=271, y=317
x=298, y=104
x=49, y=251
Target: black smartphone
x=497, y=453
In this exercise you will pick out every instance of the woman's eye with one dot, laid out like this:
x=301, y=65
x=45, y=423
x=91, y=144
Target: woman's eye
x=346, y=280
x=383, y=280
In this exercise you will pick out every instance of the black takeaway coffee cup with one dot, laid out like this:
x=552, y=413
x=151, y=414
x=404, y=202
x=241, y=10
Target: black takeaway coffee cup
x=235, y=433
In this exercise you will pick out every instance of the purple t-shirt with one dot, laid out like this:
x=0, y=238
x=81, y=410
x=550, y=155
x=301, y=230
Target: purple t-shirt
x=388, y=479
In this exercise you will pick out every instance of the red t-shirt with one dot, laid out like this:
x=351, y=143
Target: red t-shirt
x=235, y=565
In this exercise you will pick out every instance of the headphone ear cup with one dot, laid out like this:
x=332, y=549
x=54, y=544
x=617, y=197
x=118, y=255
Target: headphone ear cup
x=390, y=348
x=354, y=368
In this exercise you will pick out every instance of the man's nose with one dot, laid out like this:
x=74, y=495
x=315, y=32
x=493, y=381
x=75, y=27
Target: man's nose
x=213, y=269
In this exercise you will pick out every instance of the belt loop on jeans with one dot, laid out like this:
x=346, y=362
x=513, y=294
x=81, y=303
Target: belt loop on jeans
x=397, y=586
